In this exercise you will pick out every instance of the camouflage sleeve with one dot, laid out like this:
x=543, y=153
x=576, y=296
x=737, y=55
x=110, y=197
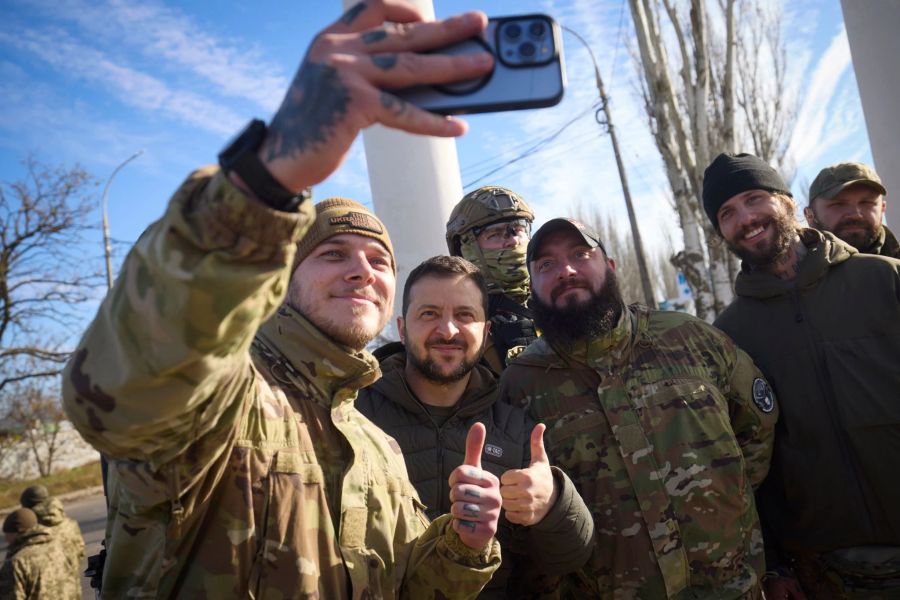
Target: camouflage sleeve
x=144, y=380
x=442, y=566
x=753, y=411
x=562, y=541
x=13, y=581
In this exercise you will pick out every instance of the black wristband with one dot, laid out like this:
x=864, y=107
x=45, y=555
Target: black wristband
x=240, y=157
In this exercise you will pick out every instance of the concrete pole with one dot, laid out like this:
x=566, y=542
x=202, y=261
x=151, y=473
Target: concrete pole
x=875, y=47
x=415, y=183
x=107, y=246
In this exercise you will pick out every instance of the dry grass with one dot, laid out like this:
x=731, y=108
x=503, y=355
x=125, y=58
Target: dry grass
x=79, y=478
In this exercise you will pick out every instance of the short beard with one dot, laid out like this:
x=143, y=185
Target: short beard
x=430, y=369
x=861, y=240
x=785, y=232
x=590, y=318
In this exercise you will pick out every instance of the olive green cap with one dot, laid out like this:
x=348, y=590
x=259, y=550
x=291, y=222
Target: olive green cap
x=488, y=204
x=335, y=216
x=831, y=180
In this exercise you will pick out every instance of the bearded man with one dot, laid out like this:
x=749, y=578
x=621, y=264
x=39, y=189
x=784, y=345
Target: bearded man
x=823, y=323
x=435, y=389
x=663, y=424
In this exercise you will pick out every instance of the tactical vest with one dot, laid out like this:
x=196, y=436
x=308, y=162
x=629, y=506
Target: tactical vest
x=512, y=325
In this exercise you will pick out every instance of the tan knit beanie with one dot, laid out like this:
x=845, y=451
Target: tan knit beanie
x=335, y=216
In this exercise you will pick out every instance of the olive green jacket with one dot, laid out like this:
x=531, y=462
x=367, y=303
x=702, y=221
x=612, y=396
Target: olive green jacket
x=665, y=427
x=239, y=472
x=829, y=343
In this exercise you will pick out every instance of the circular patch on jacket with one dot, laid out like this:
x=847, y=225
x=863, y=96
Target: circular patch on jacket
x=763, y=396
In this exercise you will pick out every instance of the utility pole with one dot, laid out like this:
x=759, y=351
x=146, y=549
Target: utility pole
x=607, y=123
x=106, y=244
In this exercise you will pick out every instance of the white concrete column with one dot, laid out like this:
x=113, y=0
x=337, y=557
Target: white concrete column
x=415, y=183
x=872, y=30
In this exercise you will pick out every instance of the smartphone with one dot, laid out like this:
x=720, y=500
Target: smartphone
x=528, y=70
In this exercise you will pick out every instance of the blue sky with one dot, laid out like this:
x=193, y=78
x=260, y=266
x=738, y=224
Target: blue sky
x=95, y=81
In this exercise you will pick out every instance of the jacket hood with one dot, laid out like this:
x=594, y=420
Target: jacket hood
x=33, y=537
x=823, y=251
x=477, y=397
x=50, y=512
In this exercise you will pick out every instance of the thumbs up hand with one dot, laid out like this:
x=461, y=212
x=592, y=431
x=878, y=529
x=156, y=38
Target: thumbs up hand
x=475, y=495
x=528, y=494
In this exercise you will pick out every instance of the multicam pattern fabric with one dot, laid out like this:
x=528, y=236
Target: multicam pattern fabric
x=239, y=472
x=32, y=571
x=504, y=269
x=656, y=424
x=51, y=515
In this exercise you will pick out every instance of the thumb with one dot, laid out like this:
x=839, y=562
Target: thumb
x=538, y=454
x=475, y=445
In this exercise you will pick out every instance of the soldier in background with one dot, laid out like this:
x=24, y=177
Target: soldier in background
x=32, y=570
x=847, y=199
x=219, y=375
x=50, y=514
x=434, y=389
x=663, y=424
x=490, y=228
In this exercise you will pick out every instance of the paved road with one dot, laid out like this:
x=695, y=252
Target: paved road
x=90, y=513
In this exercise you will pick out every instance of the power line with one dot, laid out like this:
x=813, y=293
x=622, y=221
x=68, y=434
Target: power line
x=536, y=147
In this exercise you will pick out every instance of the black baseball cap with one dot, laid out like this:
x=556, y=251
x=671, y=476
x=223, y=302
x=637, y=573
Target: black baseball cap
x=590, y=237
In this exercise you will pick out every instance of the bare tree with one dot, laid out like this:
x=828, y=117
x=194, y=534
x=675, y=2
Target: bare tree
x=38, y=416
x=43, y=272
x=690, y=100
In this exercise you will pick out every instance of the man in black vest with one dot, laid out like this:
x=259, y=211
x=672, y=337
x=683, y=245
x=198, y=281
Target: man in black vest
x=434, y=388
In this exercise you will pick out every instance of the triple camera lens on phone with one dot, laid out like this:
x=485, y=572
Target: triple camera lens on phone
x=518, y=47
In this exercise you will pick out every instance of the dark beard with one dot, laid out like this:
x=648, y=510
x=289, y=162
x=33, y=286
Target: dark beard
x=593, y=317
x=760, y=258
x=861, y=240
x=429, y=368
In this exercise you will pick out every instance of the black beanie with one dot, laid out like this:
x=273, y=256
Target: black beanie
x=731, y=174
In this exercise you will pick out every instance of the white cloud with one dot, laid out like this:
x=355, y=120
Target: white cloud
x=132, y=87
x=812, y=133
x=236, y=68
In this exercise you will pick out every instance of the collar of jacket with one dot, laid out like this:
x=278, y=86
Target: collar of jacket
x=823, y=250
x=479, y=395
x=49, y=512
x=33, y=537
x=885, y=244
x=326, y=367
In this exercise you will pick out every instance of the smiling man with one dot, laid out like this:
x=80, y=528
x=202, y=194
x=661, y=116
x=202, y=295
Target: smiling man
x=434, y=390
x=847, y=199
x=663, y=424
x=220, y=373
x=823, y=323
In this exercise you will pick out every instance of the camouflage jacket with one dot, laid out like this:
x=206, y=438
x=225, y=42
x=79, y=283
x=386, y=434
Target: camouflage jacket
x=665, y=427
x=31, y=569
x=238, y=472
x=51, y=515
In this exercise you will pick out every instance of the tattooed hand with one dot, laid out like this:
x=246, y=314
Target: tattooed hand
x=339, y=87
x=475, y=495
x=529, y=494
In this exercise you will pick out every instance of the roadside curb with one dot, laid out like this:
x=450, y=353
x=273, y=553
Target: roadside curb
x=64, y=498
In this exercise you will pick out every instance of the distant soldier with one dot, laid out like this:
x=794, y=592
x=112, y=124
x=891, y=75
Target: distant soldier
x=662, y=423
x=51, y=515
x=32, y=566
x=490, y=227
x=847, y=199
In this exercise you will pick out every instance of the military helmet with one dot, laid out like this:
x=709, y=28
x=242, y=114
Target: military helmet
x=487, y=204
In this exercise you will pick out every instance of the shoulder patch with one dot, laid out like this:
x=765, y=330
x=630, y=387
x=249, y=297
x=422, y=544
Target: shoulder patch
x=763, y=396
